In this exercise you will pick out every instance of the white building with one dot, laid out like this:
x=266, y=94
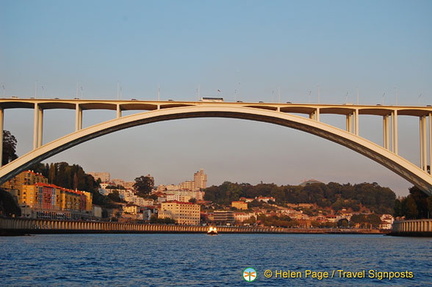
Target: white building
x=242, y=216
x=130, y=197
x=386, y=221
x=200, y=180
x=103, y=176
x=199, y=183
x=184, y=195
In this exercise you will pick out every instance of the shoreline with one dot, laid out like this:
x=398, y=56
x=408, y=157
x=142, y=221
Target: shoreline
x=11, y=226
x=24, y=232
x=23, y=226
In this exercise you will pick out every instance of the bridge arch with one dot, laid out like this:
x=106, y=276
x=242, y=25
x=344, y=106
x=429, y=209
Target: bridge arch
x=383, y=156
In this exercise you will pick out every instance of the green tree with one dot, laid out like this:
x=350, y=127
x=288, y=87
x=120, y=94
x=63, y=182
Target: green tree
x=154, y=219
x=358, y=219
x=421, y=200
x=399, y=208
x=342, y=223
x=143, y=185
x=8, y=205
x=411, y=208
x=115, y=196
x=193, y=200
x=9, y=147
x=374, y=220
x=429, y=205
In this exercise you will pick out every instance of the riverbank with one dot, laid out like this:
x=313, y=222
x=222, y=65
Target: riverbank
x=10, y=226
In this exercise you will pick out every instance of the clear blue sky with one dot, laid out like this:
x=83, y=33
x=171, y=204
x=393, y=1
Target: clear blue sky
x=310, y=51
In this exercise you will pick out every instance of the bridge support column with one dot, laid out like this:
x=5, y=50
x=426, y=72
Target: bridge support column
x=1, y=130
x=386, y=131
x=395, y=132
x=430, y=143
x=423, y=143
x=315, y=115
x=356, y=122
x=349, y=123
x=352, y=122
x=78, y=117
x=37, y=126
x=119, y=111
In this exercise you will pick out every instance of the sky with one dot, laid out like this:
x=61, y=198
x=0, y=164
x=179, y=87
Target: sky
x=330, y=52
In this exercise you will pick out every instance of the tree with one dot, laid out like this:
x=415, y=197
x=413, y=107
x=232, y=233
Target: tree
x=343, y=223
x=167, y=220
x=143, y=185
x=411, y=208
x=374, y=220
x=9, y=147
x=8, y=205
x=399, y=208
x=115, y=196
x=193, y=200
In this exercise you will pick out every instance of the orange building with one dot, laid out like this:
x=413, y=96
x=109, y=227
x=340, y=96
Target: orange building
x=239, y=204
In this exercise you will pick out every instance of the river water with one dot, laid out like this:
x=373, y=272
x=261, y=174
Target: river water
x=202, y=260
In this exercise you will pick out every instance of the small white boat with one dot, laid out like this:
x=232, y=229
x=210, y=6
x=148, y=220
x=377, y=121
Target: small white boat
x=212, y=231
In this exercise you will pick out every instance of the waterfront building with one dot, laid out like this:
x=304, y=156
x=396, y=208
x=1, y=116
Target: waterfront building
x=28, y=196
x=43, y=197
x=14, y=185
x=223, y=216
x=239, y=204
x=386, y=221
x=181, y=212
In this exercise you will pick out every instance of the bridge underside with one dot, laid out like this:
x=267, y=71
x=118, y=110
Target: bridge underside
x=392, y=161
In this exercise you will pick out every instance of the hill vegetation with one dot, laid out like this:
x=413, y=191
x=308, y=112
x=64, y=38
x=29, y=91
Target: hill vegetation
x=333, y=195
x=416, y=205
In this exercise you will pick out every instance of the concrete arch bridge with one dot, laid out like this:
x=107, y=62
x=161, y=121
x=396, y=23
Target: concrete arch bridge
x=304, y=117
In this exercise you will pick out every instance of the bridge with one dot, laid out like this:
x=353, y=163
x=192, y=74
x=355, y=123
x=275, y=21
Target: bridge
x=303, y=117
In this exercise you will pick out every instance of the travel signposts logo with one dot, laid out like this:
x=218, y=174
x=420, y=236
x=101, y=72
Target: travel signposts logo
x=249, y=274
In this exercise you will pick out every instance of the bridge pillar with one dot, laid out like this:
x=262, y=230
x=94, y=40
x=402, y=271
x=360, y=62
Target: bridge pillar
x=423, y=143
x=395, y=131
x=352, y=122
x=1, y=130
x=37, y=126
x=356, y=122
x=119, y=111
x=349, y=123
x=386, y=132
x=315, y=115
x=430, y=143
x=78, y=117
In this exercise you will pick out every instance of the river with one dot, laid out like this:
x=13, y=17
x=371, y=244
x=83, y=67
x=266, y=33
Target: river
x=223, y=260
